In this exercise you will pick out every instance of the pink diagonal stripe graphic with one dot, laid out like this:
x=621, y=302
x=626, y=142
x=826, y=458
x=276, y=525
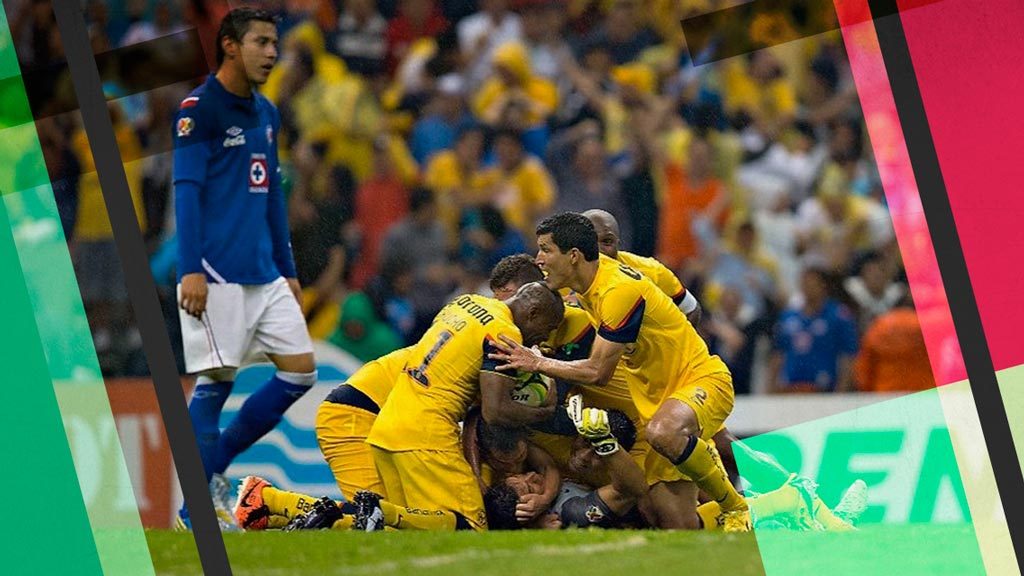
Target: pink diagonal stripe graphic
x=967, y=59
x=901, y=191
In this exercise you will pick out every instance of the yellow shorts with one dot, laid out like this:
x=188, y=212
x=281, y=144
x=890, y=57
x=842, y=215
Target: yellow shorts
x=656, y=467
x=431, y=480
x=711, y=397
x=341, y=432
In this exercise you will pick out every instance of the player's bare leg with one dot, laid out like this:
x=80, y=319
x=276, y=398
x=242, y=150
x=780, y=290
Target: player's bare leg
x=723, y=443
x=674, y=432
x=297, y=363
x=674, y=505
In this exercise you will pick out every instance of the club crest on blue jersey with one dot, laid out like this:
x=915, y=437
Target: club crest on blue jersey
x=259, y=174
x=185, y=126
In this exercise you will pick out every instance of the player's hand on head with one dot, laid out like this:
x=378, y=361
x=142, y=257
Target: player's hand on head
x=516, y=356
x=530, y=506
x=193, y=294
x=296, y=288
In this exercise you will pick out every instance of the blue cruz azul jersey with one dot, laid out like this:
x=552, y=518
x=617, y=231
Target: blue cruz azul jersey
x=232, y=223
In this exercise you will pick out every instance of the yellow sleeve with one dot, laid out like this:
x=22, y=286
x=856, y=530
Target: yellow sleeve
x=621, y=313
x=504, y=329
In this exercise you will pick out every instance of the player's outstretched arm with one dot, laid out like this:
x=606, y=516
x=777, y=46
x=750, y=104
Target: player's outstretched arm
x=596, y=370
x=628, y=483
x=471, y=447
x=533, y=505
x=500, y=409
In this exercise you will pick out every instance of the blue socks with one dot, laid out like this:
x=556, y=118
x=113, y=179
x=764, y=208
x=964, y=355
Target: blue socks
x=204, y=409
x=260, y=413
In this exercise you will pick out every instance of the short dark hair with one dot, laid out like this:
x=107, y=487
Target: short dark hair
x=571, y=230
x=419, y=198
x=518, y=268
x=622, y=428
x=498, y=439
x=500, y=503
x=236, y=23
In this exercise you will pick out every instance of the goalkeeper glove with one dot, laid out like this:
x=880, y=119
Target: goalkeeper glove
x=592, y=424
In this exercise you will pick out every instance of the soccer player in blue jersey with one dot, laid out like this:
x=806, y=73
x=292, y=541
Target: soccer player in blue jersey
x=237, y=290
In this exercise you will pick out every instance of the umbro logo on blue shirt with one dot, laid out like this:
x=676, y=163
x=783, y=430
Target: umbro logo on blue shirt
x=235, y=137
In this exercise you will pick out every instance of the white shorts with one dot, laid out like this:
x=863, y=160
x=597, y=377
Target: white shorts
x=242, y=322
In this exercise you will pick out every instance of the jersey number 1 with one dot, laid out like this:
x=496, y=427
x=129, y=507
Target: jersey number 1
x=419, y=373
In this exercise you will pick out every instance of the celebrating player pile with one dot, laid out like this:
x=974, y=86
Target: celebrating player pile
x=682, y=393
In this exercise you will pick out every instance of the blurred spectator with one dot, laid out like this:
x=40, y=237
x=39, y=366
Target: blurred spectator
x=733, y=328
x=420, y=239
x=623, y=31
x=583, y=83
x=758, y=96
x=542, y=22
x=580, y=167
x=481, y=33
x=829, y=91
x=514, y=97
x=141, y=30
x=690, y=192
x=486, y=239
x=524, y=191
x=63, y=169
x=390, y=292
x=381, y=201
x=360, y=39
x=874, y=290
x=94, y=253
x=740, y=263
x=459, y=179
x=33, y=29
x=361, y=332
x=834, y=224
x=893, y=356
x=814, y=342
x=205, y=16
x=321, y=207
x=785, y=171
x=416, y=19
x=441, y=119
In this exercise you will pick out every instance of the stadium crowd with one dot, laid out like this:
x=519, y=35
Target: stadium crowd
x=424, y=140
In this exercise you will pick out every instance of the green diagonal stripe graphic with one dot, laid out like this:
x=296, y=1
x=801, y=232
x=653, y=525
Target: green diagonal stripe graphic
x=41, y=290
x=39, y=474
x=918, y=518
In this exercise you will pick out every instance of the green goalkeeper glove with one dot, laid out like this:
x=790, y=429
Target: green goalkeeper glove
x=592, y=424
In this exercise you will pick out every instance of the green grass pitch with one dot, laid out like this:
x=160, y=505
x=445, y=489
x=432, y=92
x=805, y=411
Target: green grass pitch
x=902, y=550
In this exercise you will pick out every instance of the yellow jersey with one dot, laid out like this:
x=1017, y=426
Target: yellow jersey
x=657, y=272
x=663, y=351
x=572, y=341
x=440, y=379
x=377, y=378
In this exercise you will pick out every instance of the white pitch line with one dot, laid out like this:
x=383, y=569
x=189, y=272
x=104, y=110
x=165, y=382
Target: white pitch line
x=636, y=541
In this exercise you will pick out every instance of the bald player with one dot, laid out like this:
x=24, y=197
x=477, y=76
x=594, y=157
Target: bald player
x=415, y=438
